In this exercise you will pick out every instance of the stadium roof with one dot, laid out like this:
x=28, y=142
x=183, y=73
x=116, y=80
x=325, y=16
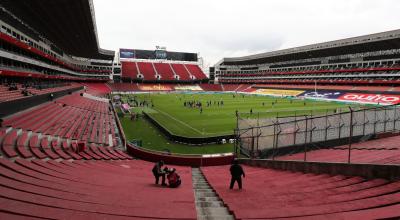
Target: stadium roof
x=69, y=24
x=367, y=43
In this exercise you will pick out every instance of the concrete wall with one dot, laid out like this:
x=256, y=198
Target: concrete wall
x=194, y=160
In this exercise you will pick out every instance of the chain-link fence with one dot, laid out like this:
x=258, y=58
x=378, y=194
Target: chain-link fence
x=271, y=137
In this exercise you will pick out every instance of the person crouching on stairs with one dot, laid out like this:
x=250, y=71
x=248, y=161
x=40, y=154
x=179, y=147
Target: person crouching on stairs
x=159, y=172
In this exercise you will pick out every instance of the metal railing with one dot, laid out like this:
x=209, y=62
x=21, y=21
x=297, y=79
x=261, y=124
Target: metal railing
x=272, y=137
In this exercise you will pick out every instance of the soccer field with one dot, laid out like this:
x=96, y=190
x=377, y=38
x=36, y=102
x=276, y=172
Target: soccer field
x=220, y=119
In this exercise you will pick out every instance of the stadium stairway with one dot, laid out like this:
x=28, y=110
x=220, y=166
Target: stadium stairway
x=208, y=205
x=278, y=194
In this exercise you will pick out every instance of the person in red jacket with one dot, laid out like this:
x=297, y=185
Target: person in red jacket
x=174, y=180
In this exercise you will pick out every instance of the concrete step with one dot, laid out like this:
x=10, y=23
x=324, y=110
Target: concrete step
x=215, y=217
x=208, y=205
x=214, y=204
x=208, y=199
x=204, y=190
x=205, y=194
x=200, y=181
x=201, y=185
x=197, y=183
x=213, y=211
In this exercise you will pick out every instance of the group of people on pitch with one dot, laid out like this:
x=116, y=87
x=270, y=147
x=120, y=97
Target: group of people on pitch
x=174, y=180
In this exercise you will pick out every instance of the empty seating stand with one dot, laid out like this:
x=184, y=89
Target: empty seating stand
x=7, y=95
x=52, y=130
x=165, y=71
x=90, y=190
x=156, y=71
x=181, y=71
x=32, y=145
x=147, y=70
x=211, y=87
x=129, y=70
x=8, y=145
x=22, y=144
x=378, y=151
x=196, y=71
x=124, y=87
x=97, y=89
x=277, y=194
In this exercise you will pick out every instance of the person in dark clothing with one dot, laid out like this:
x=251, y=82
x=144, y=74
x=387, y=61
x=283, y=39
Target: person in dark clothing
x=236, y=174
x=158, y=171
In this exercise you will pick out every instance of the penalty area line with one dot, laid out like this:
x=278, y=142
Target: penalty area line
x=181, y=122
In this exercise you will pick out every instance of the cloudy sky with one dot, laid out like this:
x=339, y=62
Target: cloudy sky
x=228, y=28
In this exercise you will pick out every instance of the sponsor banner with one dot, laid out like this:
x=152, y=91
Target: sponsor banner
x=371, y=98
x=155, y=88
x=127, y=53
x=278, y=92
x=188, y=88
x=322, y=94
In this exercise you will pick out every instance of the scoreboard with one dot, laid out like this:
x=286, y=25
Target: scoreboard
x=159, y=53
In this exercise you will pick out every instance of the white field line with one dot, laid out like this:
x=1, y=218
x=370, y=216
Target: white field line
x=181, y=122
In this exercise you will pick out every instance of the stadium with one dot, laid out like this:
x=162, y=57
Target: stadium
x=315, y=127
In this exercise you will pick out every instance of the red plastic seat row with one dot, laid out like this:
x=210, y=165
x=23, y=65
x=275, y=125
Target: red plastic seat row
x=34, y=146
x=147, y=70
x=89, y=190
x=22, y=145
x=8, y=144
x=165, y=71
x=269, y=193
x=378, y=151
x=181, y=71
x=129, y=70
x=196, y=71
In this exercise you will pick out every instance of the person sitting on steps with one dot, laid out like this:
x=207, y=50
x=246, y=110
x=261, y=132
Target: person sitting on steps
x=174, y=180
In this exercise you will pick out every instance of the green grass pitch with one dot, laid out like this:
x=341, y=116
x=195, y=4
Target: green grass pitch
x=214, y=120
